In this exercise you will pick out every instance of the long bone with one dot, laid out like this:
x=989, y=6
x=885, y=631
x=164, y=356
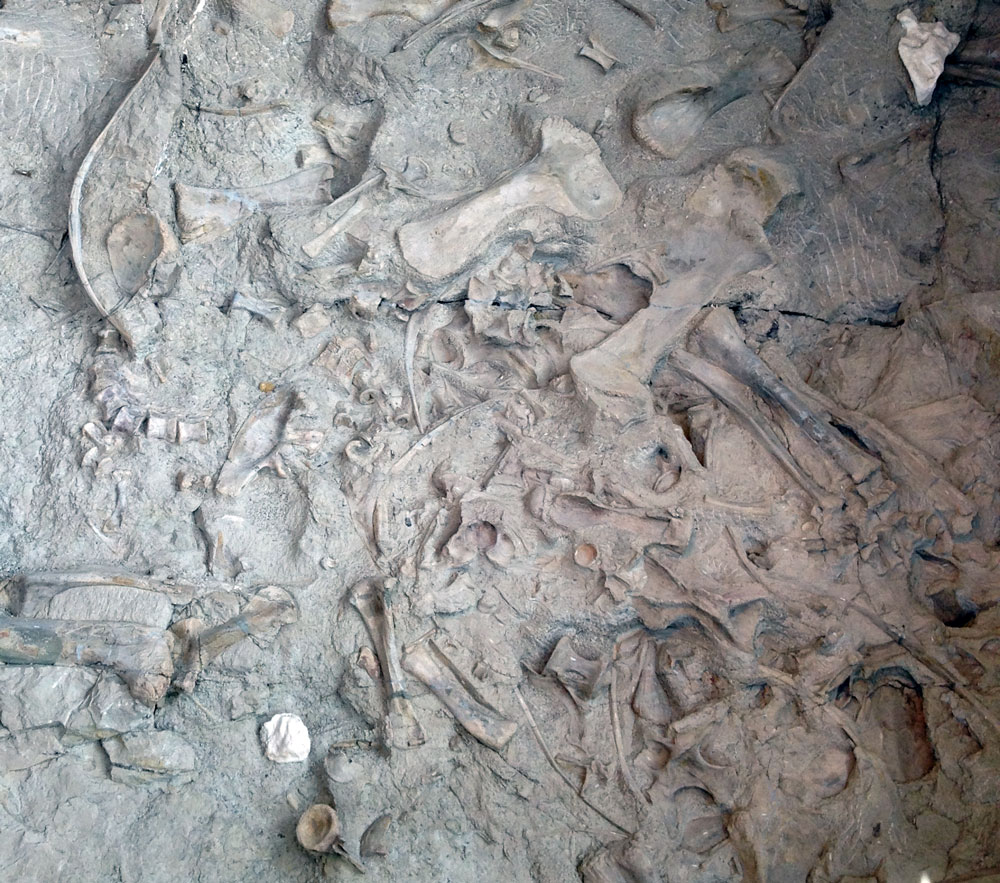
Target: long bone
x=270, y=608
x=730, y=392
x=428, y=664
x=370, y=598
x=718, y=338
x=140, y=655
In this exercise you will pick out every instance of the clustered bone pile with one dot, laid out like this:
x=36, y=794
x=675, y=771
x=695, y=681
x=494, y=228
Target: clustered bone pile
x=582, y=416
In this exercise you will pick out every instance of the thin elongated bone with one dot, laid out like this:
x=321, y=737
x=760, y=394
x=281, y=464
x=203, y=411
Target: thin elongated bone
x=270, y=608
x=448, y=15
x=347, y=12
x=733, y=14
x=314, y=246
x=371, y=600
x=719, y=339
x=730, y=392
x=108, y=310
x=428, y=664
x=512, y=60
x=33, y=590
x=140, y=655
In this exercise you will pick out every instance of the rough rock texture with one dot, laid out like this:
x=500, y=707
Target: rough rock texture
x=583, y=415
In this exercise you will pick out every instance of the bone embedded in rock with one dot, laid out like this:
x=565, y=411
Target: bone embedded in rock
x=597, y=53
x=429, y=666
x=285, y=739
x=566, y=176
x=340, y=13
x=670, y=123
x=370, y=599
x=923, y=48
x=575, y=671
x=277, y=20
x=140, y=655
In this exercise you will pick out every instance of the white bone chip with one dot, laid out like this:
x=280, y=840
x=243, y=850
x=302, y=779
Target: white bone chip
x=923, y=49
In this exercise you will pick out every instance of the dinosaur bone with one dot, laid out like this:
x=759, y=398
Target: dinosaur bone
x=565, y=176
x=371, y=600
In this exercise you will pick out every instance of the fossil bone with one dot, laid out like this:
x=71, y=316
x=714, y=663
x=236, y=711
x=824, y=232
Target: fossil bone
x=269, y=609
x=370, y=598
x=597, y=53
x=204, y=213
x=375, y=839
x=139, y=655
x=923, y=49
x=260, y=442
x=277, y=20
x=33, y=592
x=576, y=672
x=318, y=830
x=566, y=176
x=733, y=14
x=428, y=664
x=134, y=244
x=671, y=122
x=347, y=12
x=718, y=337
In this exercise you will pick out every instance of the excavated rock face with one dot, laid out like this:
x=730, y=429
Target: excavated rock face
x=579, y=418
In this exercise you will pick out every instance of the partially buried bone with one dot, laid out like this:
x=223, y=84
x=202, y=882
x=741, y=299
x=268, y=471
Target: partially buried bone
x=277, y=20
x=370, y=599
x=139, y=655
x=347, y=12
x=261, y=441
x=428, y=664
x=718, y=337
x=577, y=673
x=203, y=213
x=668, y=124
x=268, y=610
x=565, y=176
x=923, y=49
x=733, y=14
x=597, y=53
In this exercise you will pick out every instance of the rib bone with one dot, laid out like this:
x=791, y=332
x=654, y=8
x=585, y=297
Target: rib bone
x=140, y=655
x=565, y=176
x=428, y=664
x=371, y=600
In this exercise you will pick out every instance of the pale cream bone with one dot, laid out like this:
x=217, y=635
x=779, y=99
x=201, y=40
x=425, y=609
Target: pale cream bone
x=140, y=655
x=356, y=203
x=204, y=213
x=197, y=646
x=670, y=122
x=596, y=52
x=348, y=129
x=613, y=377
x=347, y=12
x=135, y=317
x=500, y=24
x=262, y=441
x=923, y=48
x=32, y=593
x=566, y=176
x=277, y=20
x=733, y=14
x=429, y=665
x=370, y=597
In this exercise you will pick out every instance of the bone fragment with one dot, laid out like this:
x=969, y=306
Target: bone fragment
x=597, y=53
x=277, y=20
x=356, y=205
x=672, y=121
x=575, y=672
x=32, y=592
x=923, y=49
x=371, y=600
x=140, y=655
x=426, y=662
x=269, y=609
x=565, y=176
